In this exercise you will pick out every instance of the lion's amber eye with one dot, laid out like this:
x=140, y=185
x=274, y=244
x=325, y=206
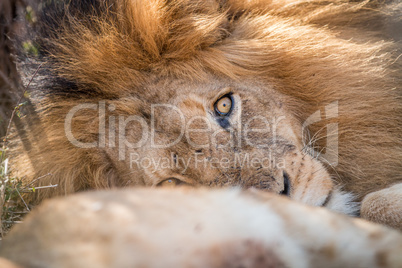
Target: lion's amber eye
x=223, y=106
x=171, y=182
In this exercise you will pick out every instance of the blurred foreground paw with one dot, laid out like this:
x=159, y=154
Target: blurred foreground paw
x=184, y=227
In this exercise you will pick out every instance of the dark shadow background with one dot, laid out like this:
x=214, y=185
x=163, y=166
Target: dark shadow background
x=9, y=78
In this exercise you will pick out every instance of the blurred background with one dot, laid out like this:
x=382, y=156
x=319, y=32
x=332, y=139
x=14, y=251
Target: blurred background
x=9, y=79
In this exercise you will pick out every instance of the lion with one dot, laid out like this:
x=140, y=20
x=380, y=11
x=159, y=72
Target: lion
x=217, y=228
x=298, y=98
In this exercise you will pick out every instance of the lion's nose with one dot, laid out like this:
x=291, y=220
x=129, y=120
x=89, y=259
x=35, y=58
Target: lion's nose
x=286, y=185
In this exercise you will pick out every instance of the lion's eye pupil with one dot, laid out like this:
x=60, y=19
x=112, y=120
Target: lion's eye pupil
x=223, y=106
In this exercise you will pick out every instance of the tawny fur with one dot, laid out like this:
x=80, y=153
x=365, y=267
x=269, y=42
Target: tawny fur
x=312, y=53
x=195, y=228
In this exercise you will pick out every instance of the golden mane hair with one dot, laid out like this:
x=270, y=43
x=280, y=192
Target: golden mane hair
x=316, y=52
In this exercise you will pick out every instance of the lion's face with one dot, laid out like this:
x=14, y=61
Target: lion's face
x=213, y=93
x=217, y=134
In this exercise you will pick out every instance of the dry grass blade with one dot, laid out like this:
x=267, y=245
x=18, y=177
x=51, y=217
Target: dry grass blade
x=3, y=153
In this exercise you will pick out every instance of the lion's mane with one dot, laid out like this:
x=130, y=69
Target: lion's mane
x=317, y=52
